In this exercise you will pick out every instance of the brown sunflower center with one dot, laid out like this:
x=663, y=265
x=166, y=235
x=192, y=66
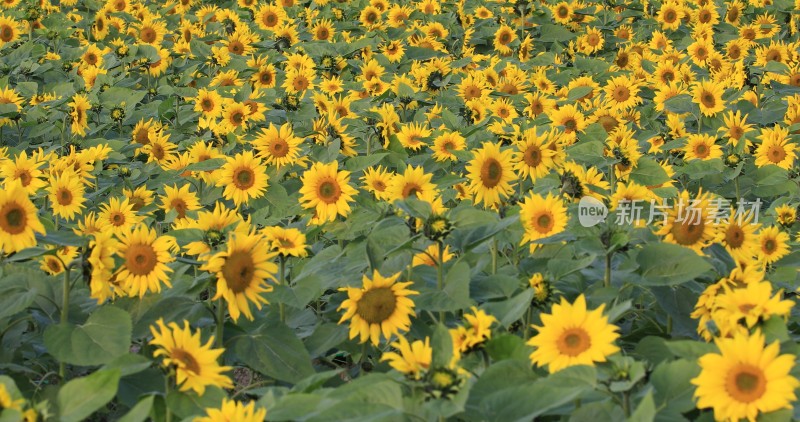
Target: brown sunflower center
x=544, y=223
x=117, y=218
x=735, y=132
x=686, y=233
x=329, y=191
x=570, y=124
x=532, y=156
x=237, y=117
x=64, y=197
x=265, y=77
x=573, y=342
x=732, y=15
x=148, y=35
x=270, y=19
x=207, y=104
x=90, y=58
x=6, y=33
x=670, y=16
x=244, y=178
x=24, y=176
x=179, y=205
x=186, y=358
x=322, y=33
x=504, y=38
x=236, y=47
x=140, y=259
x=491, y=173
x=376, y=305
x=734, y=236
x=746, y=383
x=769, y=246
x=708, y=99
x=701, y=150
x=300, y=83
x=776, y=153
x=621, y=94
x=14, y=219
x=238, y=270
x=562, y=12
x=142, y=136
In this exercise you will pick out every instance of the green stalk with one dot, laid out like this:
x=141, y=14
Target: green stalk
x=64, y=313
x=440, y=274
x=282, y=281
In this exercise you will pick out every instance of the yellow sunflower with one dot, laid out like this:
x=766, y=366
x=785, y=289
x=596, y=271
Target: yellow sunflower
x=286, y=241
x=534, y=155
x=66, y=195
x=491, y=174
x=738, y=237
x=708, y=95
x=145, y=255
x=9, y=30
x=774, y=244
x=179, y=199
x=413, y=135
x=381, y=306
x=78, y=112
x=775, y=148
x=504, y=36
x=195, y=363
x=231, y=410
x=376, y=180
x=327, y=190
x=571, y=335
x=242, y=271
x=542, y=217
x=445, y=145
x=18, y=219
x=745, y=378
x=102, y=284
x=411, y=359
x=701, y=147
x=689, y=223
x=25, y=170
x=244, y=177
x=278, y=146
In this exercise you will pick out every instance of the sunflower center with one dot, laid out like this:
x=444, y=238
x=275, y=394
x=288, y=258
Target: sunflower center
x=300, y=83
x=238, y=270
x=774, y=55
x=6, y=33
x=237, y=118
x=505, y=38
x=179, y=205
x=14, y=218
x=322, y=33
x=532, y=156
x=573, y=342
x=735, y=132
x=770, y=246
x=24, y=177
x=563, y=12
x=142, y=136
x=776, y=153
x=266, y=77
x=746, y=383
x=732, y=15
x=140, y=259
x=91, y=58
x=621, y=94
x=236, y=47
x=570, y=124
x=701, y=150
x=734, y=236
x=708, y=100
x=64, y=197
x=279, y=148
x=491, y=173
x=670, y=16
x=186, y=358
x=207, y=104
x=148, y=35
x=244, y=178
x=376, y=305
x=329, y=191
x=544, y=223
x=686, y=233
x=270, y=20
x=117, y=219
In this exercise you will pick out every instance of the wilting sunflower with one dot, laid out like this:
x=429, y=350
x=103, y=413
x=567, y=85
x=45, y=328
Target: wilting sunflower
x=146, y=255
x=18, y=219
x=542, y=217
x=195, y=364
x=571, y=335
x=491, y=174
x=327, y=190
x=745, y=378
x=79, y=106
x=278, y=146
x=242, y=271
x=66, y=195
x=243, y=176
x=708, y=95
x=381, y=306
x=286, y=241
x=231, y=410
x=411, y=359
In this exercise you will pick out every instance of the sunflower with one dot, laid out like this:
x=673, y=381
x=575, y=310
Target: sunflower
x=773, y=244
x=270, y=16
x=145, y=255
x=502, y=38
x=670, y=15
x=736, y=126
x=264, y=77
x=18, y=220
x=571, y=335
x=278, y=146
x=54, y=263
x=242, y=271
x=180, y=200
x=562, y=12
x=286, y=241
x=622, y=93
x=775, y=148
x=151, y=31
x=215, y=225
x=231, y=410
x=208, y=103
x=745, y=306
x=413, y=181
x=323, y=30
x=394, y=51
x=739, y=238
x=299, y=81
x=569, y=117
x=9, y=30
x=103, y=284
x=244, y=177
x=412, y=135
x=491, y=174
x=708, y=95
x=689, y=223
x=66, y=195
x=380, y=306
x=195, y=364
x=539, y=103
x=745, y=378
x=542, y=217
x=79, y=107
x=376, y=180
x=446, y=144
x=786, y=215
x=476, y=331
x=701, y=147
x=235, y=115
x=411, y=359
x=25, y=170
x=430, y=256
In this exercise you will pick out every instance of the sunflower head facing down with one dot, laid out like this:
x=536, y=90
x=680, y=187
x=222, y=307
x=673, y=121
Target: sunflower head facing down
x=381, y=306
x=745, y=378
x=195, y=364
x=572, y=335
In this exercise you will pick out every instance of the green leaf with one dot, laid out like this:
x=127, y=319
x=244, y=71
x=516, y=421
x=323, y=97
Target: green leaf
x=510, y=310
x=665, y=264
x=275, y=351
x=648, y=173
x=140, y=412
x=455, y=294
x=672, y=386
x=680, y=104
x=185, y=404
x=646, y=411
x=81, y=397
x=578, y=93
x=442, y=345
x=585, y=152
x=15, y=295
x=554, y=33
x=105, y=336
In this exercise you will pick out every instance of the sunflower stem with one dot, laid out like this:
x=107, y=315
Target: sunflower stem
x=220, y=328
x=282, y=281
x=607, y=278
x=64, y=313
x=168, y=414
x=626, y=404
x=494, y=255
x=440, y=273
x=669, y=324
x=736, y=185
x=527, y=327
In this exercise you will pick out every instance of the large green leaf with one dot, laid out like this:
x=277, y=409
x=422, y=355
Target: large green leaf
x=81, y=397
x=275, y=351
x=105, y=336
x=665, y=264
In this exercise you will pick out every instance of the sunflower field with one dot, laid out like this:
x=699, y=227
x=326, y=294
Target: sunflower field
x=424, y=210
